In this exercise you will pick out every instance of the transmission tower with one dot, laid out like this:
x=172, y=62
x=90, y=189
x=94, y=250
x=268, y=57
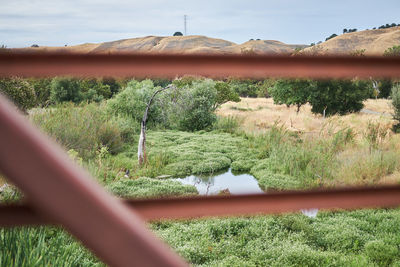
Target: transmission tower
x=184, y=22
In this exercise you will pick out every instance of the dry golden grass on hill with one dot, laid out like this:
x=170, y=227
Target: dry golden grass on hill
x=375, y=42
x=261, y=113
x=192, y=44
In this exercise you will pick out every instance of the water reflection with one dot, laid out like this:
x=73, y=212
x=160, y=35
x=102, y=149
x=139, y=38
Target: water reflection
x=213, y=184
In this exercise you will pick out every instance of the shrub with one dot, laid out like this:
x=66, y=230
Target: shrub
x=228, y=124
x=64, y=89
x=19, y=91
x=191, y=106
x=392, y=51
x=381, y=253
x=84, y=129
x=42, y=87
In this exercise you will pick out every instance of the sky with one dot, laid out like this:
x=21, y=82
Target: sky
x=71, y=22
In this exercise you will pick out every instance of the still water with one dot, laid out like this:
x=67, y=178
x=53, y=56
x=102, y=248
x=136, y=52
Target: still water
x=213, y=184
x=235, y=183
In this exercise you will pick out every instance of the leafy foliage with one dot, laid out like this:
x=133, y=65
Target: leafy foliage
x=291, y=92
x=19, y=91
x=331, y=36
x=338, y=96
x=65, y=90
x=392, y=51
x=396, y=106
x=132, y=102
x=42, y=89
x=84, y=129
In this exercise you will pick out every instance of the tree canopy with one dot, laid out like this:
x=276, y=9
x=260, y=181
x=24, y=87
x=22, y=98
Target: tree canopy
x=291, y=92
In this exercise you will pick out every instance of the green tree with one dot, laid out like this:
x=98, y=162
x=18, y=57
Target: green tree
x=42, y=87
x=114, y=85
x=132, y=101
x=19, y=91
x=94, y=90
x=385, y=88
x=331, y=36
x=65, y=89
x=225, y=94
x=199, y=103
x=396, y=105
x=291, y=92
x=244, y=87
x=331, y=97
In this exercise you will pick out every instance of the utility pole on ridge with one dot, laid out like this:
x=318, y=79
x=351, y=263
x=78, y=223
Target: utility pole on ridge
x=184, y=23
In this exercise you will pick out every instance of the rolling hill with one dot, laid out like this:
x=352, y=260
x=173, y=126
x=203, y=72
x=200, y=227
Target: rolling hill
x=375, y=42
x=193, y=44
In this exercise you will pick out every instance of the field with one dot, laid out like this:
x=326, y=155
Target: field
x=259, y=114
x=281, y=149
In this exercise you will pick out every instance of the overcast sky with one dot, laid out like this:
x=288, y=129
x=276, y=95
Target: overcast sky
x=60, y=22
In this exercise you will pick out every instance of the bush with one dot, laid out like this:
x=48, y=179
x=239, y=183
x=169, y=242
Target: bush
x=381, y=253
x=65, y=89
x=191, y=105
x=198, y=105
x=42, y=88
x=19, y=91
x=84, y=129
x=228, y=124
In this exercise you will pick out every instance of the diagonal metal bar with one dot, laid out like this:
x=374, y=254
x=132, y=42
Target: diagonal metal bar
x=167, y=65
x=198, y=207
x=65, y=193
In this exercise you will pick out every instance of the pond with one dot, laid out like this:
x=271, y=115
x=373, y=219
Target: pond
x=235, y=183
x=213, y=184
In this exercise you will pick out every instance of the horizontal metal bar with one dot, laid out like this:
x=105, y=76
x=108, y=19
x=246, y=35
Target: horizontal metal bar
x=198, y=207
x=167, y=65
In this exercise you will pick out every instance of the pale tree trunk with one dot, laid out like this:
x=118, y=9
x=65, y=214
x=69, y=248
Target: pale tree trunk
x=142, y=144
x=376, y=88
x=142, y=139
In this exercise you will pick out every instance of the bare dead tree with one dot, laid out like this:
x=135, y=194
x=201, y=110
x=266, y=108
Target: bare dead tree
x=142, y=139
x=376, y=88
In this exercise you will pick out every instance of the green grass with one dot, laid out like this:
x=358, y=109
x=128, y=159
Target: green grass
x=355, y=238
x=42, y=246
x=147, y=187
x=277, y=158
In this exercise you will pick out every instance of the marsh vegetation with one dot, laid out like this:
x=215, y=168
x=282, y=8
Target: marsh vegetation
x=278, y=147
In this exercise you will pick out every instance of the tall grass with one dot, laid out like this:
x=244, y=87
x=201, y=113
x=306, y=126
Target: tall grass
x=83, y=128
x=43, y=246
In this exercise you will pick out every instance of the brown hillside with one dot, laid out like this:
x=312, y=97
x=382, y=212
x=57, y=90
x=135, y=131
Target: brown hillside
x=194, y=44
x=375, y=42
